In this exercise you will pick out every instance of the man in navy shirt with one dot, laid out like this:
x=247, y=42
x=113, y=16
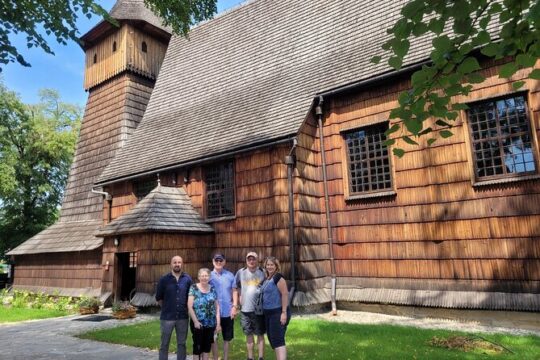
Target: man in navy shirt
x=172, y=295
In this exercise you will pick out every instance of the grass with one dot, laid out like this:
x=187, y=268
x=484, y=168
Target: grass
x=21, y=314
x=319, y=339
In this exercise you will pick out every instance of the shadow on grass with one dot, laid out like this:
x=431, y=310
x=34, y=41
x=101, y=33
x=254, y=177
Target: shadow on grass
x=319, y=339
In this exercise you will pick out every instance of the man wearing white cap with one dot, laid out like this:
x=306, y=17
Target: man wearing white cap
x=246, y=289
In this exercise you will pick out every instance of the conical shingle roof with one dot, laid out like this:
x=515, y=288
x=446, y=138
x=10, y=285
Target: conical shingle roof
x=166, y=209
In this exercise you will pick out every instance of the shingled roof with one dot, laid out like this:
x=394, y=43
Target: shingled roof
x=133, y=11
x=249, y=76
x=136, y=10
x=82, y=210
x=165, y=209
x=62, y=236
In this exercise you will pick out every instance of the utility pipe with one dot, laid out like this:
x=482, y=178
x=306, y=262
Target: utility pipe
x=107, y=197
x=290, y=161
x=319, y=114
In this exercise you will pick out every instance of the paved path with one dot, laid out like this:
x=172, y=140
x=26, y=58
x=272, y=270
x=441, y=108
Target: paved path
x=53, y=339
x=513, y=327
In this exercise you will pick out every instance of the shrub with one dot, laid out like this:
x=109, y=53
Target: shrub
x=122, y=306
x=89, y=302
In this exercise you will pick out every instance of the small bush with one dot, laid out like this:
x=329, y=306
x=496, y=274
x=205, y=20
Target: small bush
x=27, y=300
x=122, y=306
x=89, y=302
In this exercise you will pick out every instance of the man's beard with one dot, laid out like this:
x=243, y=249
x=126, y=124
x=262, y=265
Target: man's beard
x=177, y=269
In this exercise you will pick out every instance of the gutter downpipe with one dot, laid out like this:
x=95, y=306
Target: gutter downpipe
x=290, y=161
x=319, y=114
x=107, y=197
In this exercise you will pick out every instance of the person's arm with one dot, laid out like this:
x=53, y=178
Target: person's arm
x=236, y=293
x=159, y=293
x=282, y=287
x=235, y=302
x=190, y=301
x=218, y=317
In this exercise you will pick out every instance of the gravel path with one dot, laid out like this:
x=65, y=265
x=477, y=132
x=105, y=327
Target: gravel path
x=361, y=317
x=51, y=339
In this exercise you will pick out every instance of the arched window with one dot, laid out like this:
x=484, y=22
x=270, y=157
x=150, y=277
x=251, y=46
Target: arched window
x=95, y=58
x=114, y=46
x=144, y=47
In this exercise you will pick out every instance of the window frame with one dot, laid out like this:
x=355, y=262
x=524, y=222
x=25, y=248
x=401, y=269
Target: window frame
x=469, y=140
x=140, y=184
x=221, y=216
x=348, y=194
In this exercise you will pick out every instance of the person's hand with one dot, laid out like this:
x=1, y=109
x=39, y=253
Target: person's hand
x=234, y=311
x=197, y=324
x=218, y=328
x=283, y=318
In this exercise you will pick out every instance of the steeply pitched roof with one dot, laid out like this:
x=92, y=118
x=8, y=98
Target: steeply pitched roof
x=63, y=236
x=136, y=10
x=131, y=11
x=163, y=209
x=250, y=75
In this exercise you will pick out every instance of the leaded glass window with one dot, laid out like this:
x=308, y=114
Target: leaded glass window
x=368, y=161
x=143, y=188
x=219, y=190
x=501, y=138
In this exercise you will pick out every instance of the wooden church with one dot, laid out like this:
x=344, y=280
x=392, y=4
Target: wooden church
x=264, y=131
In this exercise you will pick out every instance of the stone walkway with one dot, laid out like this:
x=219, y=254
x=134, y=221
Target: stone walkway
x=53, y=339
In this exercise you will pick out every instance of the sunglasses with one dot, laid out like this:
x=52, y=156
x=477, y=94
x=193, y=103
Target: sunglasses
x=218, y=260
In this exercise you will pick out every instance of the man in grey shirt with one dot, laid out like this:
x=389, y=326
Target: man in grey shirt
x=246, y=287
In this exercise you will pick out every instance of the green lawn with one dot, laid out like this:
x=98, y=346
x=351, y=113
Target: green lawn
x=21, y=314
x=319, y=339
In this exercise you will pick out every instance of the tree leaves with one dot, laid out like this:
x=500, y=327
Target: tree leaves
x=535, y=74
x=458, y=29
x=36, y=147
x=507, y=70
x=59, y=20
x=468, y=65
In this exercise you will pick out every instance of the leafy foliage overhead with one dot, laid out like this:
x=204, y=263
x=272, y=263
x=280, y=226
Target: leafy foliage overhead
x=461, y=32
x=180, y=15
x=41, y=21
x=37, y=143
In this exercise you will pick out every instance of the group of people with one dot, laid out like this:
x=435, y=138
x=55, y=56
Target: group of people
x=210, y=306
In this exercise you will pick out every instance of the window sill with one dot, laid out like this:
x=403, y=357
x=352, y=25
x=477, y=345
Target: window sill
x=505, y=180
x=371, y=195
x=222, y=218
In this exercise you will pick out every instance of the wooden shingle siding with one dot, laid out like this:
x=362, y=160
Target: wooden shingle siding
x=261, y=218
x=128, y=56
x=310, y=233
x=154, y=253
x=70, y=270
x=438, y=227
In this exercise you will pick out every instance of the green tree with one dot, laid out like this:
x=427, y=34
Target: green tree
x=37, y=143
x=461, y=31
x=58, y=19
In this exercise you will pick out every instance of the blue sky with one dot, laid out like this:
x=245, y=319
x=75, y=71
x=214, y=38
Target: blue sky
x=63, y=71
